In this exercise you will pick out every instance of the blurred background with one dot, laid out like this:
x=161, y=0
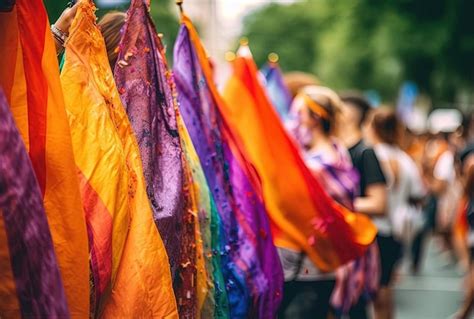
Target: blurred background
x=378, y=47
x=414, y=55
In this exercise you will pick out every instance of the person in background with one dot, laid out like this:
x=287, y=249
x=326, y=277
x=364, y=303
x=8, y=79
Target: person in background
x=371, y=199
x=439, y=174
x=404, y=190
x=110, y=25
x=467, y=218
x=296, y=81
x=317, y=107
x=329, y=161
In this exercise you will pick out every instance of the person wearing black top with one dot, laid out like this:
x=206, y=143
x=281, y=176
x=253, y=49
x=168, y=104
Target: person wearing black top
x=373, y=193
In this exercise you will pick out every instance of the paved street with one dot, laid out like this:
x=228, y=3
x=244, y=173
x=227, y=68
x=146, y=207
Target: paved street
x=434, y=294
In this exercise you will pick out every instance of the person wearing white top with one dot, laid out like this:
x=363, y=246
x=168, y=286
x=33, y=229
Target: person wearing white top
x=404, y=189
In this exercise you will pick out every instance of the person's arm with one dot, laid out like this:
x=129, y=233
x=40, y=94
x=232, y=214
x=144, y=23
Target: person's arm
x=436, y=186
x=374, y=202
x=63, y=24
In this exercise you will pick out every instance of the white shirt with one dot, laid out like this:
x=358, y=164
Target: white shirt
x=444, y=168
x=408, y=184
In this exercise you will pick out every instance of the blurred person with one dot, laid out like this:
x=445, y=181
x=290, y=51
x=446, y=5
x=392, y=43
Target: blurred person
x=318, y=113
x=296, y=81
x=444, y=187
x=404, y=192
x=415, y=145
x=467, y=219
x=302, y=277
x=371, y=199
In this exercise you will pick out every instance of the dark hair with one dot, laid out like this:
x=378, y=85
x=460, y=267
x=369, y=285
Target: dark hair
x=358, y=101
x=386, y=125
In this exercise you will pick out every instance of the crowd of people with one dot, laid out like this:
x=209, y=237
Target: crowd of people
x=413, y=185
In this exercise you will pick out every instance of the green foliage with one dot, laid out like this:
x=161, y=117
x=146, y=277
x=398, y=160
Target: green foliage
x=165, y=16
x=369, y=44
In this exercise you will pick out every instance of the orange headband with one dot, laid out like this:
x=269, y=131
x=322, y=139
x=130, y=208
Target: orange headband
x=315, y=107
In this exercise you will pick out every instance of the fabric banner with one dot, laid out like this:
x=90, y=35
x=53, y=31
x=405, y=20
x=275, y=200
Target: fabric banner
x=31, y=283
x=276, y=88
x=251, y=265
x=130, y=270
x=30, y=78
x=143, y=81
x=303, y=215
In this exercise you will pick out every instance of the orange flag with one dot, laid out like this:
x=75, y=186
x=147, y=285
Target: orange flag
x=304, y=217
x=130, y=268
x=29, y=76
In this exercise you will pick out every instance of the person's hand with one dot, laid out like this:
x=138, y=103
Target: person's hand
x=65, y=20
x=62, y=26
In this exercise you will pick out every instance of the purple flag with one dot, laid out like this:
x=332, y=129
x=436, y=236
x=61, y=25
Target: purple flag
x=38, y=285
x=251, y=265
x=145, y=87
x=276, y=88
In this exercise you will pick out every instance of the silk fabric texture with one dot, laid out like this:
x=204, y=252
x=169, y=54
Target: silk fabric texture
x=251, y=266
x=29, y=77
x=130, y=268
x=304, y=217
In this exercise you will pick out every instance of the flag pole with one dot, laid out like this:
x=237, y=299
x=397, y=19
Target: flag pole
x=179, y=3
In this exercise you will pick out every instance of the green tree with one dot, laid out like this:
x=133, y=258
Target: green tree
x=370, y=44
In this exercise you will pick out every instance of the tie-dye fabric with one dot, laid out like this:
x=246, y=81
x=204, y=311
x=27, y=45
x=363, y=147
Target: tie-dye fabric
x=250, y=263
x=31, y=284
x=142, y=78
x=211, y=295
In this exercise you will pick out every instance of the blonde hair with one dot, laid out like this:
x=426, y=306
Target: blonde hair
x=110, y=26
x=326, y=101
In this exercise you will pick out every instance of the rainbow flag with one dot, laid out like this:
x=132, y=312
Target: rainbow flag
x=145, y=87
x=31, y=283
x=211, y=299
x=130, y=270
x=251, y=266
x=304, y=217
x=211, y=294
x=30, y=78
x=276, y=88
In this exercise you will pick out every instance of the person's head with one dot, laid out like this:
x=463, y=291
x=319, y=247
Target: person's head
x=354, y=109
x=110, y=26
x=318, y=107
x=295, y=81
x=383, y=126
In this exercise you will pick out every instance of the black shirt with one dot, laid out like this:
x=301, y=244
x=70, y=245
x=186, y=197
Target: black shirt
x=367, y=164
